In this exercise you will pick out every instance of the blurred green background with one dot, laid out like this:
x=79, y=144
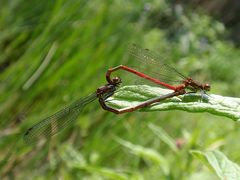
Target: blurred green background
x=54, y=52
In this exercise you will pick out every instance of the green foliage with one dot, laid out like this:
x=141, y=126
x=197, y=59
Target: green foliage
x=223, y=167
x=55, y=52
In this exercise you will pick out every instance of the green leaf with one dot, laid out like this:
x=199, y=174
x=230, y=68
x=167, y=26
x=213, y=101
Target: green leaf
x=129, y=96
x=216, y=160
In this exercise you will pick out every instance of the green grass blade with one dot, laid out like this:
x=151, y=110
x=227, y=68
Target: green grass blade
x=163, y=135
x=148, y=154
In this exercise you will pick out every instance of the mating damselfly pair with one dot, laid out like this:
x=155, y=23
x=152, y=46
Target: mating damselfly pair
x=63, y=118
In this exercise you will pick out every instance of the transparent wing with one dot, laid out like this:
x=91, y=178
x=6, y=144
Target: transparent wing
x=58, y=121
x=152, y=65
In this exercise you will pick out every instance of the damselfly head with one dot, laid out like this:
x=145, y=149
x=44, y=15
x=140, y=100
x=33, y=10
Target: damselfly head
x=116, y=80
x=206, y=87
